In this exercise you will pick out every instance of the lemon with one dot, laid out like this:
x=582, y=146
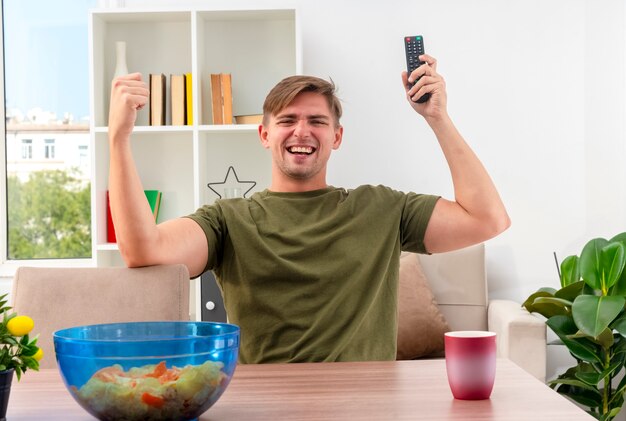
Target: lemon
x=38, y=355
x=20, y=325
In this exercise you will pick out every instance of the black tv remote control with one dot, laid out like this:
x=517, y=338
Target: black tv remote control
x=414, y=47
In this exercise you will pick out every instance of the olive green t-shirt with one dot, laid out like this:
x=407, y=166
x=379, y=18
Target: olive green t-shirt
x=313, y=276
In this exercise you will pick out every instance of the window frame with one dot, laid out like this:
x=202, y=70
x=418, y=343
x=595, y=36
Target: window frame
x=26, y=149
x=9, y=266
x=49, y=148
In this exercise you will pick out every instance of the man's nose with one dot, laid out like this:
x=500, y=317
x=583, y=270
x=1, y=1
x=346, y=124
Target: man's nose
x=302, y=128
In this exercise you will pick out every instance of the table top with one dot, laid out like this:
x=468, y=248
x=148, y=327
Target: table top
x=388, y=390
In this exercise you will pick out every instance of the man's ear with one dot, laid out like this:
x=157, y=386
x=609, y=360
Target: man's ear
x=263, y=136
x=338, y=137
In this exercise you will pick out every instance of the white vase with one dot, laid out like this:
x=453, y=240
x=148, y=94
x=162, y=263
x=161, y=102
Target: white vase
x=120, y=59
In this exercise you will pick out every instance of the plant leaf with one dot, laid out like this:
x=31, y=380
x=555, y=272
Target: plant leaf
x=528, y=304
x=571, y=382
x=548, y=310
x=587, y=397
x=545, y=309
x=570, y=272
x=571, y=291
x=605, y=339
x=563, y=326
x=553, y=300
x=620, y=286
x=619, y=324
x=593, y=378
x=544, y=303
x=593, y=314
x=612, y=263
x=590, y=262
x=612, y=413
x=618, y=349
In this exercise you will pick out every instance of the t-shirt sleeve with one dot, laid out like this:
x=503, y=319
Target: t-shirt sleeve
x=416, y=214
x=210, y=219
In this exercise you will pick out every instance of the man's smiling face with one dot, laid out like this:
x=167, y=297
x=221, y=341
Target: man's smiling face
x=301, y=137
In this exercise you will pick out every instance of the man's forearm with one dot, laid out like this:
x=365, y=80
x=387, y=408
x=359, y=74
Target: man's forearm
x=135, y=226
x=474, y=190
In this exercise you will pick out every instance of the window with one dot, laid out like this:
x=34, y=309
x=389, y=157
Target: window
x=49, y=149
x=27, y=149
x=83, y=156
x=46, y=100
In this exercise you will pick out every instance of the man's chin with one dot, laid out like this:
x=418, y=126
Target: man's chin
x=299, y=173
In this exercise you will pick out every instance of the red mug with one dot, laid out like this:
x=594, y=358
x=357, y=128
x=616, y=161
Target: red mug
x=471, y=363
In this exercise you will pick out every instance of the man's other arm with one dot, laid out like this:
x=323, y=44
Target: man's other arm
x=141, y=241
x=477, y=212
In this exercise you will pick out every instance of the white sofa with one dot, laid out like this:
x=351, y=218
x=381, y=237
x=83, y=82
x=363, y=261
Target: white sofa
x=459, y=283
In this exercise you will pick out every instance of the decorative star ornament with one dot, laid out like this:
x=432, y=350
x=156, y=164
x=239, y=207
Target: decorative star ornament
x=228, y=183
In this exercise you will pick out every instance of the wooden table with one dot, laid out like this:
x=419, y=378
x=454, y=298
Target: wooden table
x=393, y=390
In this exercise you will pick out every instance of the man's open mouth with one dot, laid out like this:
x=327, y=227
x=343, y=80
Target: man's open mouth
x=301, y=150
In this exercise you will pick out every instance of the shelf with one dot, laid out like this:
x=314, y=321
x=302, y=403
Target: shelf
x=152, y=129
x=229, y=128
x=258, y=45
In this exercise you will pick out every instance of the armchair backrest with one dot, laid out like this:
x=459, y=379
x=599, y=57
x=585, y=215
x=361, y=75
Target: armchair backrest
x=459, y=282
x=58, y=298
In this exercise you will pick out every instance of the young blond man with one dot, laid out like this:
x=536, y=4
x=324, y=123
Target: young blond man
x=307, y=270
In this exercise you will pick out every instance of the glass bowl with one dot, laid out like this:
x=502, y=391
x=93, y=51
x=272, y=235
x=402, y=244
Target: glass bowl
x=147, y=370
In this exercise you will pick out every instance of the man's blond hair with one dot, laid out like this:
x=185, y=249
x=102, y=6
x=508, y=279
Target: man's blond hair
x=287, y=89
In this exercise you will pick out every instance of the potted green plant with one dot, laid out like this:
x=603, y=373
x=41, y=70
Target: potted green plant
x=587, y=314
x=18, y=352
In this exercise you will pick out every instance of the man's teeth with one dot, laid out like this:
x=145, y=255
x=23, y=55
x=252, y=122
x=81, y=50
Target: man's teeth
x=301, y=149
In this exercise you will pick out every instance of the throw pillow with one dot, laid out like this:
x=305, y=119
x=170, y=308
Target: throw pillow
x=421, y=326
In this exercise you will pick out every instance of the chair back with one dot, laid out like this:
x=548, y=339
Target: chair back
x=58, y=298
x=459, y=282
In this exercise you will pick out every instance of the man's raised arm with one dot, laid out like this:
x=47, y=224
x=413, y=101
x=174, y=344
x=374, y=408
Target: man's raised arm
x=477, y=213
x=141, y=241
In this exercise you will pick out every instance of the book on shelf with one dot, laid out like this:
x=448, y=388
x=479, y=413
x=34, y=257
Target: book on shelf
x=249, y=119
x=222, y=98
x=110, y=228
x=154, y=200
x=216, y=99
x=189, y=99
x=227, y=98
x=177, y=99
x=157, y=99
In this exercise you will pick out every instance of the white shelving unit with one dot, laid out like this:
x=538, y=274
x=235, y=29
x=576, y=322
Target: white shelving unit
x=258, y=45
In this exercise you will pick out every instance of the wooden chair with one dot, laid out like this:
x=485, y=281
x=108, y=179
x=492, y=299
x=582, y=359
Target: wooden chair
x=58, y=298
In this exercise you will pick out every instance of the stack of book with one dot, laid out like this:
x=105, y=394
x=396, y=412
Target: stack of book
x=180, y=99
x=154, y=199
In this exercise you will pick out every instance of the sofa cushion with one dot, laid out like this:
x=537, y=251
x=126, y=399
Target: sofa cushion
x=421, y=326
